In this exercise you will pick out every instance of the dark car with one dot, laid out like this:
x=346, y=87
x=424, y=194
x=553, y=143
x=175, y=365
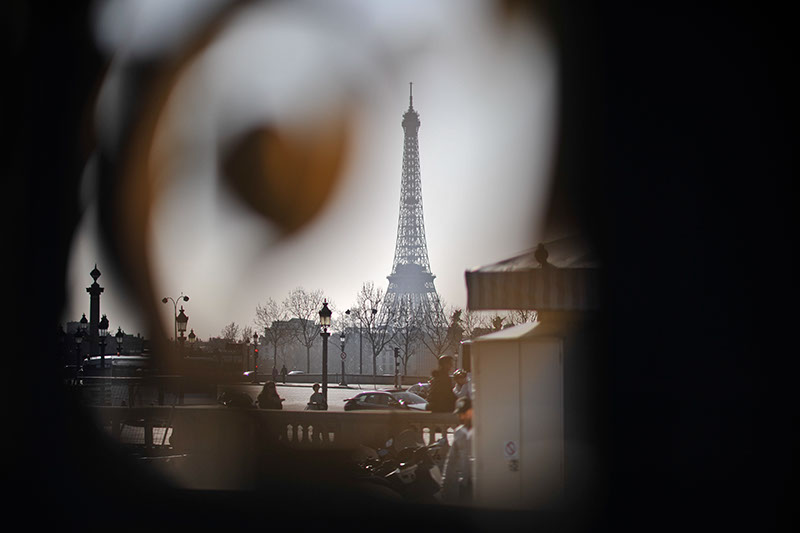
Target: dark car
x=385, y=399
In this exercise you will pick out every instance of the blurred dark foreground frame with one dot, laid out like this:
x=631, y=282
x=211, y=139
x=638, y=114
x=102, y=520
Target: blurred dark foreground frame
x=674, y=157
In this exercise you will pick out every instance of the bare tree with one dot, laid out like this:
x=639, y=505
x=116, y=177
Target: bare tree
x=521, y=316
x=440, y=329
x=230, y=332
x=408, y=329
x=376, y=319
x=247, y=334
x=473, y=322
x=304, y=306
x=271, y=317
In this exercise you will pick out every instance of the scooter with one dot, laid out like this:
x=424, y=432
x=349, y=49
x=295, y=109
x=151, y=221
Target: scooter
x=409, y=467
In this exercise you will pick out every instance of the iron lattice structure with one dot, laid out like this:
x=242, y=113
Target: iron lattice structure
x=411, y=281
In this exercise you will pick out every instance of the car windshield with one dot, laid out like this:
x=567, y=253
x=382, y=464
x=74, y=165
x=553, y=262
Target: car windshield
x=409, y=397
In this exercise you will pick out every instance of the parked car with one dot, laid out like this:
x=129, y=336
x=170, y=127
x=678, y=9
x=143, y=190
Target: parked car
x=411, y=400
x=385, y=399
x=420, y=389
x=295, y=373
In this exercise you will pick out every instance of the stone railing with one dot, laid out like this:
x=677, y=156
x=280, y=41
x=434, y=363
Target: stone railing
x=202, y=428
x=221, y=448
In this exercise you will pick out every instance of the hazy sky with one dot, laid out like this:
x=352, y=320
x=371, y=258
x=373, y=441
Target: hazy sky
x=486, y=99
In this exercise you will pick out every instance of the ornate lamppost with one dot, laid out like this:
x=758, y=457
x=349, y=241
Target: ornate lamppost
x=120, y=336
x=192, y=338
x=361, y=342
x=397, y=368
x=78, y=341
x=325, y=322
x=180, y=323
x=102, y=331
x=83, y=328
x=255, y=357
x=342, y=338
x=166, y=299
x=360, y=361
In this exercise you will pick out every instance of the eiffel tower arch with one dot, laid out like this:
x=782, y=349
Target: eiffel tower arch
x=411, y=283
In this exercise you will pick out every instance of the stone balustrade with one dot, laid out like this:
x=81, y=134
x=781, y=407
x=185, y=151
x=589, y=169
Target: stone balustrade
x=203, y=428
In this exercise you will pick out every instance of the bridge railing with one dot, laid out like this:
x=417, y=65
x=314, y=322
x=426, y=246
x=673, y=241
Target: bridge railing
x=200, y=428
x=222, y=448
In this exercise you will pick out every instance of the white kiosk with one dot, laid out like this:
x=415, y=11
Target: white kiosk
x=518, y=439
x=518, y=378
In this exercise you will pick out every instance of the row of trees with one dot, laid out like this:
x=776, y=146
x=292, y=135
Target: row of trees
x=413, y=331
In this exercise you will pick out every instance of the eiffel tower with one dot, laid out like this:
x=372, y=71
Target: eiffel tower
x=411, y=281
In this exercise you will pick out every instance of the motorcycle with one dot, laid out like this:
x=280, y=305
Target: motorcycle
x=409, y=467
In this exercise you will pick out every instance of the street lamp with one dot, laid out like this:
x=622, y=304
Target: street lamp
x=180, y=322
x=397, y=367
x=102, y=331
x=83, y=327
x=255, y=357
x=360, y=362
x=78, y=339
x=192, y=338
x=342, y=338
x=120, y=336
x=325, y=322
x=182, y=297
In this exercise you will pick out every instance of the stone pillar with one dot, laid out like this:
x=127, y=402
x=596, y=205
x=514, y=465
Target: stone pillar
x=94, y=291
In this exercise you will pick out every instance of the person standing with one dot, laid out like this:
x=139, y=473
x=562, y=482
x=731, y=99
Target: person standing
x=441, y=398
x=457, y=475
x=274, y=373
x=283, y=373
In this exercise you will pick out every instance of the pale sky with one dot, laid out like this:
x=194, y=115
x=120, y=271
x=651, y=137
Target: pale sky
x=486, y=99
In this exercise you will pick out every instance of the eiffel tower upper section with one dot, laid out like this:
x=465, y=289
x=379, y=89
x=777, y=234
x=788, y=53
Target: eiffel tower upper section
x=411, y=280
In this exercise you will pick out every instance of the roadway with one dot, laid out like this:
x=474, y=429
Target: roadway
x=297, y=394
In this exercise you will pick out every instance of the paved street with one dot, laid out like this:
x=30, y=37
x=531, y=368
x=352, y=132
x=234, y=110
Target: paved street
x=297, y=394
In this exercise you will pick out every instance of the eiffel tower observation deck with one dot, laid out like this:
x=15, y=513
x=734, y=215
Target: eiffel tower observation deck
x=411, y=280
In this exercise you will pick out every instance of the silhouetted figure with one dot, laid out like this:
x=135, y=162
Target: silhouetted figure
x=441, y=398
x=541, y=254
x=457, y=475
x=275, y=374
x=283, y=373
x=317, y=401
x=268, y=397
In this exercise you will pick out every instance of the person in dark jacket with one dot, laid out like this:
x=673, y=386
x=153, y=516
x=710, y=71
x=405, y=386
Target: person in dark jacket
x=317, y=401
x=441, y=398
x=268, y=398
x=283, y=373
